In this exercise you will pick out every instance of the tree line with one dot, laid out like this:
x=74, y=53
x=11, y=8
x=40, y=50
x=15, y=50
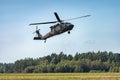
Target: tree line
x=54, y=63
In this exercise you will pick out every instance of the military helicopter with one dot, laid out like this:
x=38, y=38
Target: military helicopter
x=59, y=28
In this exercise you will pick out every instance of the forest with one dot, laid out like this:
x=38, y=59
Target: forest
x=62, y=63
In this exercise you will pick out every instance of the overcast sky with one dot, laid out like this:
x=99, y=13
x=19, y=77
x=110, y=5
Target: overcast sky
x=99, y=32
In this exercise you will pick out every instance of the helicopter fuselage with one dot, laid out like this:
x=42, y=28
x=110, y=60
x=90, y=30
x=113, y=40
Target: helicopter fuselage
x=55, y=30
x=58, y=29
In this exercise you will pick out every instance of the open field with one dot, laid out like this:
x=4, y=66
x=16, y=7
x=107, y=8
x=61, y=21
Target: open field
x=61, y=76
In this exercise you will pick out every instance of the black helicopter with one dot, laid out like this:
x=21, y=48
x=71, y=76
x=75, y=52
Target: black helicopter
x=56, y=29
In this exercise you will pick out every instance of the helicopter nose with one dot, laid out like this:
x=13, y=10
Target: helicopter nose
x=71, y=26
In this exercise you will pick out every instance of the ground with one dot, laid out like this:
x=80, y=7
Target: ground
x=61, y=76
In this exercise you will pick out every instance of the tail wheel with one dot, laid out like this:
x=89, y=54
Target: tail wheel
x=45, y=41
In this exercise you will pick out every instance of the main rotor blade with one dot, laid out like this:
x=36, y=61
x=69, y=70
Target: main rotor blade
x=43, y=23
x=77, y=18
x=57, y=17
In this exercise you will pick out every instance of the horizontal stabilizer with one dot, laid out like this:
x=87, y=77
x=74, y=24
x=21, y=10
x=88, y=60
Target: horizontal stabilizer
x=37, y=38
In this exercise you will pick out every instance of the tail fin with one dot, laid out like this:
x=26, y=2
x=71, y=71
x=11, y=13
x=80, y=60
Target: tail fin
x=39, y=36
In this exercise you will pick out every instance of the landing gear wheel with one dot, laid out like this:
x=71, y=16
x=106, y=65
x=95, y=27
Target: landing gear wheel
x=45, y=41
x=68, y=32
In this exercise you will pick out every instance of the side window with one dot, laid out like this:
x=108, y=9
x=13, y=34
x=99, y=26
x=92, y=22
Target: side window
x=63, y=25
x=57, y=28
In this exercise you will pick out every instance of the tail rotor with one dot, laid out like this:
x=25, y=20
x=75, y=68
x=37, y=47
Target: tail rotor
x=38, y=35
x=37, y=30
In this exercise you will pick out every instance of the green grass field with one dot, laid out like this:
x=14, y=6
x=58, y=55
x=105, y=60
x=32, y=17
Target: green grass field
x=61, y=76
